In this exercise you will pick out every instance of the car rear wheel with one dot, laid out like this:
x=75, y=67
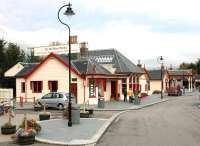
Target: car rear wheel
x=60, y=106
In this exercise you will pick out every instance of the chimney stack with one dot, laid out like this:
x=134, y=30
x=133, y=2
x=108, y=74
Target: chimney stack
x=139, y=64
x=83, y=50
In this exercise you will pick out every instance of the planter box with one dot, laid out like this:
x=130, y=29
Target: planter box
x=25, y=139
x=8, y=130
x=84, y=114
x=91, y=111
x=44, y=117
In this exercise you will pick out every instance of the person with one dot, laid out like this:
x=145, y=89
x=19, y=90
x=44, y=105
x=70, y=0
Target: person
x=130, y=94
x=183, y=90
x=125, y=95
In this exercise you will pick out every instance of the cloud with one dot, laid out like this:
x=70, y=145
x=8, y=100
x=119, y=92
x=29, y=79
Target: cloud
x=140, y=29
x=162, y=9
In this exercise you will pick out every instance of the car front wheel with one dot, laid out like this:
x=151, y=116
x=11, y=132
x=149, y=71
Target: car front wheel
x=60, y=106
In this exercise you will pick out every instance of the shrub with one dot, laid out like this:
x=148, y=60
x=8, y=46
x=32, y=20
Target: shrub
x=156, y=92
x=143, y=95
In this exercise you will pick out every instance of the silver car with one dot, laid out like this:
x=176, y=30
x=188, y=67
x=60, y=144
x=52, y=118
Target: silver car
x=56, y=99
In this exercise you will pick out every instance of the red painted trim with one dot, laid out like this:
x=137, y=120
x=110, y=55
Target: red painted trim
x=92, y=97
x=117, y=97
x=59, y=59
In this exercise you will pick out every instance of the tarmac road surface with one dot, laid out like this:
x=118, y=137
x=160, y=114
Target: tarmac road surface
x=172, y=123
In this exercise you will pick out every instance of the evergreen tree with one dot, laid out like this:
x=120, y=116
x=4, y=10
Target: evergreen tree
x=2, y=60
x=198, y=66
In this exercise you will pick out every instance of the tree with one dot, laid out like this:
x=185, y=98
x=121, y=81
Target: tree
x=2, y=60
x=13, y=55
x=198, y=66
x=30, y=58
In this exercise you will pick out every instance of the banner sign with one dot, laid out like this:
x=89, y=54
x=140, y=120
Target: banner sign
x=59, y=49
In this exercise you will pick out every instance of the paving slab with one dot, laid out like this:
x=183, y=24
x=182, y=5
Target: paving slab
x=56, y=131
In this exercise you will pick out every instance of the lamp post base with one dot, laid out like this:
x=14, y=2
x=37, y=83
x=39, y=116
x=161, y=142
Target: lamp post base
x=69, y=124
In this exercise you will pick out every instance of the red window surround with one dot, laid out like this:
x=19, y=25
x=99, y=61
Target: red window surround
x=53, y=86
x=36, y=86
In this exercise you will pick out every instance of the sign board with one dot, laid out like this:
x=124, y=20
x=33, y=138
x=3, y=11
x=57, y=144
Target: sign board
x=58, y=49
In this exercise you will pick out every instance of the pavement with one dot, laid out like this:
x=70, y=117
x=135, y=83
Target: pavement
x=90, y=130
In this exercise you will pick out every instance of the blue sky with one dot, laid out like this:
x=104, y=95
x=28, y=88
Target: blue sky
x=140, y=29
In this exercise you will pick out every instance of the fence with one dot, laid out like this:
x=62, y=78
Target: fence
x=6, y=93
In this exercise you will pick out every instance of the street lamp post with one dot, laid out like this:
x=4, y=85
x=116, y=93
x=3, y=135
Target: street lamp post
x=68, y=12
x=161, y=60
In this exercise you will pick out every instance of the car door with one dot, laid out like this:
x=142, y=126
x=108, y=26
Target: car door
x=46, y=99
x=54, y=100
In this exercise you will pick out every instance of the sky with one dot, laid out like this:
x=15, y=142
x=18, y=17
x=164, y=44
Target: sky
x=139, y=29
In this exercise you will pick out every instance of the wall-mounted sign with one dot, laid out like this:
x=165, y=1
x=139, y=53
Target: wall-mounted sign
x=58, y=49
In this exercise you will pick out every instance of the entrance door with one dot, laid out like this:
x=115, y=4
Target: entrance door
x=114, y=90
x=73, y=89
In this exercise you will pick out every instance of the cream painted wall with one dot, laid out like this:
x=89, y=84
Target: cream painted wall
x=143, y=82
x=51, y=70
x=18, y=88
x=154, y=85
x=108, y=90
x=120, y=90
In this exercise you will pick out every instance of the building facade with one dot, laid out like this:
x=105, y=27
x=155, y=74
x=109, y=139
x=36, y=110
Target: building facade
x=94, y=74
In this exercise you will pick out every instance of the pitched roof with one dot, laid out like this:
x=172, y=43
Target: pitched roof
x=114, y=57
x=27, y=68
x=80, y=67
x=89, y=67
x=155, y=74
x=85, y=66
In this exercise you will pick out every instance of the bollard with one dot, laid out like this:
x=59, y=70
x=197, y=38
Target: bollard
x=33, y=100
x=21, y=101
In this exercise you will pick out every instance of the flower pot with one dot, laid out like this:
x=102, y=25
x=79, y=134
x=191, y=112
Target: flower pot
x=44, y=117
x=25, y=139
x=84, y=114
x=8, y=130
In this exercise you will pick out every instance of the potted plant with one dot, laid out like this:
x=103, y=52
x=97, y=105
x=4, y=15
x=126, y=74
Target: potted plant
x=25, y=135
x=8, y=127
x=44, y=115
x=90, y=110
x=84, y=114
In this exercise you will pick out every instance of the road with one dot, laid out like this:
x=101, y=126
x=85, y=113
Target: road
x=173, y=123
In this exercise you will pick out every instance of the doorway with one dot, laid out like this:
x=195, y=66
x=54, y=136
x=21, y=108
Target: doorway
x=114, y=90
x=73, y=89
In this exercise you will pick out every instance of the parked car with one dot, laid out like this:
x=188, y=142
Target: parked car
x=56, y=100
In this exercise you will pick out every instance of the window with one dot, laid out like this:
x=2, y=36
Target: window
x=53, y=86
x=100, y=89
x=74, y=79
x=47, y=96
x=92, y=88
x=36, y=86
x=22, y=87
